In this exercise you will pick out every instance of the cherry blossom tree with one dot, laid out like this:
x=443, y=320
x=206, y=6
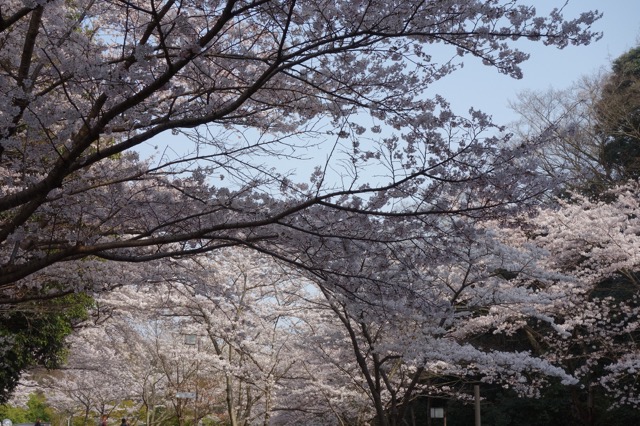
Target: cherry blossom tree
x=243, y=310
x=594, y=245
x=105, y=371
x=384, y=328
x=410, y=314
x=245, y=84
x=592, y=135
x=224, y=329
x=499, y=279
x=84, y=82
x=589, y=322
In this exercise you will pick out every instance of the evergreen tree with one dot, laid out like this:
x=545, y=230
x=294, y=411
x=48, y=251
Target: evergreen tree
x=618, y=113
x=33, y=334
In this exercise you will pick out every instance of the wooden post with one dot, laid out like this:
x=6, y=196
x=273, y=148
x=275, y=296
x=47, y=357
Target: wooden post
x=476, y=393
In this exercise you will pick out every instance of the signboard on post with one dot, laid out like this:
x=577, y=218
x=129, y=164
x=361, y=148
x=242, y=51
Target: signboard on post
x=437, y=412
x=186, y=395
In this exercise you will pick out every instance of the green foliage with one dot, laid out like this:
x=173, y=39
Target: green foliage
x=37, y=408
x=623, y=155
x=619, y=118
x=628, y=64
x=15, y=414
x=34, y=335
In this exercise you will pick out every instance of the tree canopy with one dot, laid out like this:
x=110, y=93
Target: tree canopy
x=34, y=335
x=84, y=82
x=591, y=129
x=404, y=229
x=619, y=113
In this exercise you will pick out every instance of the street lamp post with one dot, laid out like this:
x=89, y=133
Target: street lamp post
x=193, y=340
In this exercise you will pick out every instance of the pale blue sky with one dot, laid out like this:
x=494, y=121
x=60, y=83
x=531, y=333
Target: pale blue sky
x=479, y=86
